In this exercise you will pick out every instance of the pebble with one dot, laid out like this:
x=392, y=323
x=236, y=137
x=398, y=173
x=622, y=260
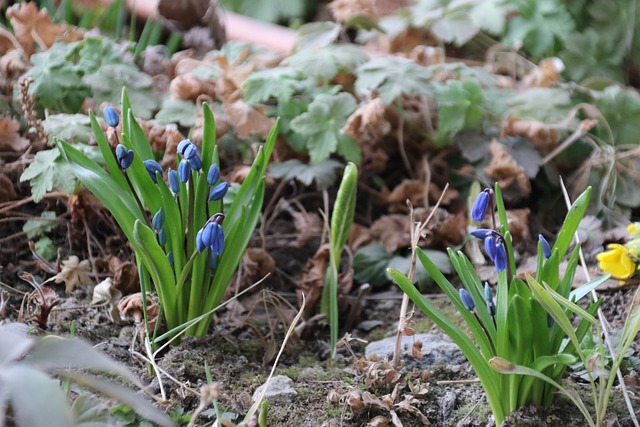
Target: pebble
x=280, y=390
x=436, y=350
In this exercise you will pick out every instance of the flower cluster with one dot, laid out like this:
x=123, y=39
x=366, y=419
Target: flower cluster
x=622, y=261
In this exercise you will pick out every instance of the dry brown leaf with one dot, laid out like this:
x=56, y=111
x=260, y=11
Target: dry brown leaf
x=32, y=27
x=248, y=120
x=392, y=231
x=9, y=137
x=125, y=275
x=543, y=137
x=378, y=421
x=13, y=65
x=257, y=262
x=106, y=293
x=416, y=350
x=312, y=280
x=359, y=236
x=504, y=169
x=308, y=226
x=131, y=307
x=410, y=189
x=7, y=192
x=74, y=272
x=368, y=122
x=191, y=87
x=428, y=55
x=546, y=74
x=343, y=10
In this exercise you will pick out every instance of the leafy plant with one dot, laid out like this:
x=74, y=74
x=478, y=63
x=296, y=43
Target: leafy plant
x=27, y=368
x=191, y=247
x=341, y=221
x=515, y=326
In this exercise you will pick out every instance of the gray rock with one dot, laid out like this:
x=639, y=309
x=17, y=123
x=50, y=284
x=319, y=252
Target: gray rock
x=436, y=350
x=280, y=390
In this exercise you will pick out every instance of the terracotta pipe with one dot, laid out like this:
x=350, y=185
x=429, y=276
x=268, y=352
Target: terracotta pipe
x=238, y=27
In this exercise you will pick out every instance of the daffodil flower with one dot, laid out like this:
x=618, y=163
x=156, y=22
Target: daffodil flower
x=617, y=261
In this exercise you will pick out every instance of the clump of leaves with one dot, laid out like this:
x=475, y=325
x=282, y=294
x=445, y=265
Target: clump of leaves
x=27, y=370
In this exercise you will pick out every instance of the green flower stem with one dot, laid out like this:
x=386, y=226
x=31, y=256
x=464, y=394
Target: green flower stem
x=135, y=196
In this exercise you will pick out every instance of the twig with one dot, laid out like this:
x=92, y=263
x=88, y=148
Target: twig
x=603, y=321
x=415, y=237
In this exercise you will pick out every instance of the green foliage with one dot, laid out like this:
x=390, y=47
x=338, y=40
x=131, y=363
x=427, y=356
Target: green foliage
x=323, y=173
x=38, y=227
x=280, y=83
x=71, y=127
x=391, y=77
x=459, y=107
x=27, y=370
x=323, y=64
x=519, y=333
x=65, y=74
x=269, y=10
x=192, y=285
x=341, y=220
x=48, y=170
x=317, y=34
x=322, y=124
x=180, y=111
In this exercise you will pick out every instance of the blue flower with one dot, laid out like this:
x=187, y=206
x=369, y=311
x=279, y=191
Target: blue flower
x=170, y=259
x=482, y=233
x=153, y=168
x=174, y=183
x=195, y=163
x=490, y=246
x=158, y=220
x=213, y=175
x=184, y=170
x=162, y=237
x=124, y=156
x=500, y=258
x=111, y=116
x=190, y=151
x=211, y=235
x=219, y=191
x=546, y=249
x=479, y=208
x=182, y=146
x=467, y=301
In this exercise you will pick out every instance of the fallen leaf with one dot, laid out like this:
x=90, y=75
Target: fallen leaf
x=248, y=120
x=369, y=121
x=312, y=280
x=131, y=307
x=10, y=139
x=32, y=27
x=13, y=64
x=344, y=10
x=74, y=272
x=546, y=74
x=106, y=293
x=125, y=275
x=504, y=169
x=308, y=226
x=257, y=262
x=410, y=189
x=188, y=86
x=7, y=192
x=541, y=135
x=392, y=231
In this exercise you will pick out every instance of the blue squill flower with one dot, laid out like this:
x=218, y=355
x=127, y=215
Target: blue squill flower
x=500, y=258
x=213, y=175
x=174, y=183
x=170, y=259
x=162, y=237
x=158, y=220
x=211, y=235
x=111, y=116
x=490, y=246
x=219, y=191
x=124, y=156
x=153, y=168
x=546, y=249
x=479, y=208
x=467, y=301
x=184, y=170
x=195, y=163
x=482, y=233
x=190, y=151
x=182, y=146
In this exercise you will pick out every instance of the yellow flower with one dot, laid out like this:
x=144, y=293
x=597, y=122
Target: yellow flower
x=616, y=261
x=634, y=230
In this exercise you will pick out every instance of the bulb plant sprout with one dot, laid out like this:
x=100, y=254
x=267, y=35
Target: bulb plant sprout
x=513, y=326
x=187, y=248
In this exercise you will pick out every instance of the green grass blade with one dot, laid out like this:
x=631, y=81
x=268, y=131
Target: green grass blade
x=571, y=223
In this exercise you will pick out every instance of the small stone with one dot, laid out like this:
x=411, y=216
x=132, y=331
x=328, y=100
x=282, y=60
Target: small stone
x=280, y=390
x=436, y=350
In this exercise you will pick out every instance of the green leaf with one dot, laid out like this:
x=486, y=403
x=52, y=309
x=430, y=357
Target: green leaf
x=391, y=77
x=45, y=248
x=179, y=111
x=89, y=412
x=590, y=53
x=48, y=171
x=280, y=83
x=538, y=25
x=70, y=127
x=421, y=277
x=323, y=173
x=38, y=227
x=323, y=122
x=370, y=264
x=107, y=83
x=619, y=106
x=323, y=64
x=98, y=51
x=317, y=34
x=459, y=107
